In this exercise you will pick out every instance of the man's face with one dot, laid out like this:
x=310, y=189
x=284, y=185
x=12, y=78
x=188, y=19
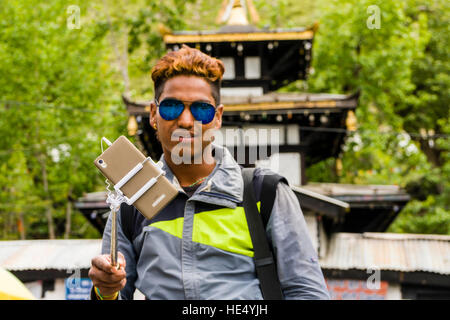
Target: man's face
x=185, y=132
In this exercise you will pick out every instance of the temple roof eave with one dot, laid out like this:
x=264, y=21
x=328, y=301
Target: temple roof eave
x=277, y=102
x=225, y=36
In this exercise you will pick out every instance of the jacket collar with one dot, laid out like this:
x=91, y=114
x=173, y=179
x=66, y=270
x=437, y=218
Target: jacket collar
x=224, y=186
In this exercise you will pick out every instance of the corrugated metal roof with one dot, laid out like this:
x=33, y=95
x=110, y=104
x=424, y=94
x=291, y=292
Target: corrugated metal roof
x=388, y=251
x=48, y=254
x=342, y=189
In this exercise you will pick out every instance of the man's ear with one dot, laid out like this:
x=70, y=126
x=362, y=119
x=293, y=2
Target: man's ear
x=153, y=112
x=219, y=113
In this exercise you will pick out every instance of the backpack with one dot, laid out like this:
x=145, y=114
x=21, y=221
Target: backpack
x=257, y=221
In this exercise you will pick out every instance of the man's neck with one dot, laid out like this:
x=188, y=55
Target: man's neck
x=187, y=174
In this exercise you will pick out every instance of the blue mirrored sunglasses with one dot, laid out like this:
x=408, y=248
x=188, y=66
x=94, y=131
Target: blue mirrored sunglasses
x=170, y=109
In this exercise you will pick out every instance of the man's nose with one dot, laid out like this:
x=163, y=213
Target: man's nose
x=186, y=119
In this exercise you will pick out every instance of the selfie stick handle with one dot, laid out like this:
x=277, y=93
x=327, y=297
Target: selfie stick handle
x=113, y=250
x=114, y=200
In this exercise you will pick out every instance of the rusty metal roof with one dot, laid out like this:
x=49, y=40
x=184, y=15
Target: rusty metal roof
x=48, y=254
x=389, y=251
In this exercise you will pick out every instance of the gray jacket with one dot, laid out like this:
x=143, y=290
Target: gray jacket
x=200, y=247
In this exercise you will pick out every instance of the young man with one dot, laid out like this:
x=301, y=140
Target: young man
x=199, y=246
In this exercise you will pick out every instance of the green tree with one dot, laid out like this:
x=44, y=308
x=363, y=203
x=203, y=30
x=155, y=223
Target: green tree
x=401, y=69
x=145, y=36
x=430, y=98
x=57, y=99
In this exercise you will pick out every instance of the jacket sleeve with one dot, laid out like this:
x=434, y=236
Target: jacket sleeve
x=297, y=261
x=126, y=248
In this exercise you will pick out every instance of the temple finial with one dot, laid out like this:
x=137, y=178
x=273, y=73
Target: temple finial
x=234, y=13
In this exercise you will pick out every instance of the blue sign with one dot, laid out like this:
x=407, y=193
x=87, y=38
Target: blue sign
x=78, y=288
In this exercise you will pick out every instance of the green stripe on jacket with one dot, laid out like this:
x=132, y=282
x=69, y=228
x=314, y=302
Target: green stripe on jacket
x=225, y=229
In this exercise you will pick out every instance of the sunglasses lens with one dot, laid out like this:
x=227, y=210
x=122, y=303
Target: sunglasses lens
x=170, y=109
x=203, y=112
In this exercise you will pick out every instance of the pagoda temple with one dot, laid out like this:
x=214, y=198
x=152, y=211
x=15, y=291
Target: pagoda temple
x=308, y=127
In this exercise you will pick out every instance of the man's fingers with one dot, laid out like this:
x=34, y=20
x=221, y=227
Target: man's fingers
x=107, y=278
x=110, y=285
x=117, y=276
x=121, y=260
x=103, y=263
x=102, y=269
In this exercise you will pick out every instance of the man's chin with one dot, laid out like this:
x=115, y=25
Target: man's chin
x=185, y=153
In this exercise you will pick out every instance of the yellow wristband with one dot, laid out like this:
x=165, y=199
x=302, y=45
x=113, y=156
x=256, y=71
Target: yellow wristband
x=101, y=297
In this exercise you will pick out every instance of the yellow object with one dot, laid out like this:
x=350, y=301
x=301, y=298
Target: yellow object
x=12, y=288
x=173, y=227
x=223, y=16
x=236, y=37
x=339, y=166
x=351, y=121
x=225, y=229
x=163, y=30
x=101, y=297
x=238, y=16
x=280, y=105
x=132, y=126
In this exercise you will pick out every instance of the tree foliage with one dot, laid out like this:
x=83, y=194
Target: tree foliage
x=56, y=101
x=401, y=69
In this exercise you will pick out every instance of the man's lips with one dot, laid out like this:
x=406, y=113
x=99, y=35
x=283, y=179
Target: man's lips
x=185, y=136
x=186, y=139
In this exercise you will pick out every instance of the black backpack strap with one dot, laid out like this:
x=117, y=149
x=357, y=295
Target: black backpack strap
x=264, y=261
x=127, y=219
x=268, y=194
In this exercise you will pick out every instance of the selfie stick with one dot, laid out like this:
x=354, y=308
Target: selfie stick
x=114, y=200
x=116, y=197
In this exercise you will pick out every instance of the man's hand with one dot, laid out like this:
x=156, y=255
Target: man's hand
x=105, y=277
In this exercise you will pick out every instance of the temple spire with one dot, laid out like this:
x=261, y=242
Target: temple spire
x=238, y=16
x=234, y=13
